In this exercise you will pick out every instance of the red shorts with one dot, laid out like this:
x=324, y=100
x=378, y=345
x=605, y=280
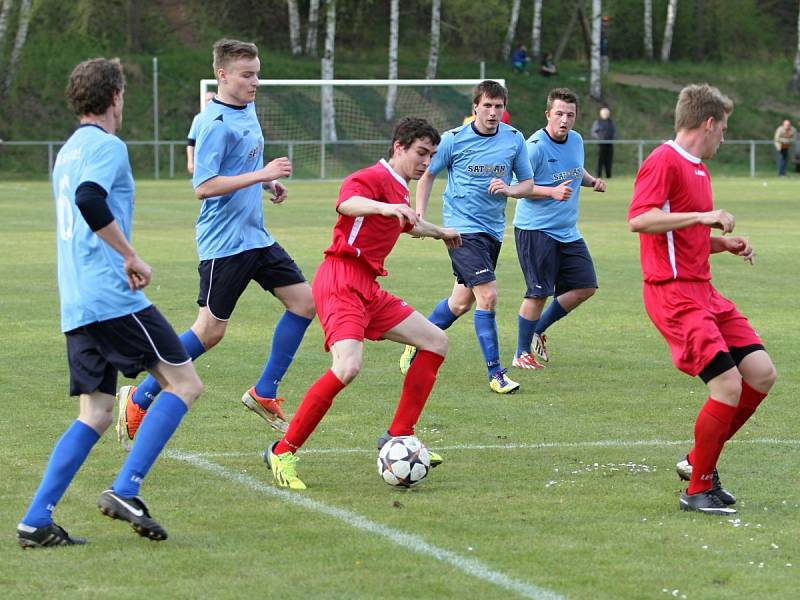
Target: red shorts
x=697, y=321
x=350, y=303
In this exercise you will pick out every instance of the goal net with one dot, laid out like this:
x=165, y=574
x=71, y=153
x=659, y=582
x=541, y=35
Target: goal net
x=330, y=128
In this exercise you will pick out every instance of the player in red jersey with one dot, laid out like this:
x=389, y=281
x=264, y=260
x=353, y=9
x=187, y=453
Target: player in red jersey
x=673, y=212
x=374, y=210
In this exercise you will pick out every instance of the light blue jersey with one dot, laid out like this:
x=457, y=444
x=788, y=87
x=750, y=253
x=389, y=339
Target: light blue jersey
x=192, y=137
x=229, y=142
x=553, y=163
x=472, y=160
x=92, y=284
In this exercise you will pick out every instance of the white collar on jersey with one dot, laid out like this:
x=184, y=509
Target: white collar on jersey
x=690, y=157
x=394, y=173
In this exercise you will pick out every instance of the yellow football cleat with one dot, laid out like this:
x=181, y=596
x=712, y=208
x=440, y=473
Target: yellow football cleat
x=502, y=384
x=284, y=468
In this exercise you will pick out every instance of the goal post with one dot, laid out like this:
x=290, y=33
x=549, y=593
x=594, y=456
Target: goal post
x=329, y=128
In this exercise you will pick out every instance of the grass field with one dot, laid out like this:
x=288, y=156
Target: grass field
x=566, y=489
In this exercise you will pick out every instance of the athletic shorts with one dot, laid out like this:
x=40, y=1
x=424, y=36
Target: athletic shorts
x=552, y=268
x=131, y=344
x=475, y=260
x=224, y=280
x=351, y=305
x=697, y=322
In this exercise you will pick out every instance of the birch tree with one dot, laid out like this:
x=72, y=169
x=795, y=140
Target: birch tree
x=328, y=112
x=294, y=27
x=794, y=83
x=595, y=88
x=436, y=26
x=4, y=12
x=648, y=29
x=512, y=30
x=669, y=27
x=313, y=25
x=536, y=31
x=19, y=43
x=394, y=35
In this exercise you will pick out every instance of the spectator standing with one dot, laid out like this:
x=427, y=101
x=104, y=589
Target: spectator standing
x=603, y=129
x=784, y=139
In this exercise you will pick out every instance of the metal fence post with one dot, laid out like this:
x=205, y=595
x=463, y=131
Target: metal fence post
x=641, y=152
x=49, y=160
x=171, y=160
x=752, y=159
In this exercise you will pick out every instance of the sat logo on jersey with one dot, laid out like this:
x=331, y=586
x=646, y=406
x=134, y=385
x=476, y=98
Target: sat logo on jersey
x=575, y=173
x=487, y=170
x=253, y=154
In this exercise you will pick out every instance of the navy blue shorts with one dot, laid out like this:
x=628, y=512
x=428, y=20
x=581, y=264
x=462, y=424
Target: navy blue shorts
x=475, y=260
x=224, y=280
x=131, y=344
x=551, y=267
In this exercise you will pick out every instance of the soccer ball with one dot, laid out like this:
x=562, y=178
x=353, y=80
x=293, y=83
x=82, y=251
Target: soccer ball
x=403, y=461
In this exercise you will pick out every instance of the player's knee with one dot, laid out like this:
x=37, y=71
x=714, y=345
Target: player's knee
x=727, y=387
x=585, y=294
x=97, y=416
x=439, y=343
x=211, y=337
x=188, y=389
x=764, y=379
x=347, y=370
x=459, y=308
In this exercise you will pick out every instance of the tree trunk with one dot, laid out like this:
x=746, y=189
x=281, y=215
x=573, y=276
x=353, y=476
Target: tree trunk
x=4, y=12
x=794, y=83
x=134, y=26
x=595, y=87
x=648, y=29
x=394, y=34
x=294, y=27
x=666, y=45
x=699, y=50
x=512, y=31
x=313, y=25
x=536, y=32
x=562, y=45
x=433, y=54
x=328, y=112
x=19, y=43
x=587, y=36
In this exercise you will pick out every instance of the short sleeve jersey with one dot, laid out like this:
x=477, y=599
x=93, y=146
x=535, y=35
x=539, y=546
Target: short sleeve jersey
x=370, y=238
x=191, y=139
x=673, y=180
x=553, y=163
x=229, y=142
x=472, y=160
x=92, y=284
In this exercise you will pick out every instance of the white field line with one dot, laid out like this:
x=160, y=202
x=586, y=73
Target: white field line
x=469, y=566
x=523, y=446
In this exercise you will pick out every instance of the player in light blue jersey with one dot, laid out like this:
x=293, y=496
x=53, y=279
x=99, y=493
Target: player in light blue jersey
x=108, y=322
x=554, y=258
x=481, y=159
x=191, y=139
x=233, y=245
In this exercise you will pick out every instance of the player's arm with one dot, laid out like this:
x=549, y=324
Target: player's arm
x=450, y=237
x=227, y=184
x=735, y=244
x=190, y=159
x=359, y=206
x=597, y=184
x=90, y=198
x=563, y=191
x=656, y=220
x=423, y=193
x=520, y=189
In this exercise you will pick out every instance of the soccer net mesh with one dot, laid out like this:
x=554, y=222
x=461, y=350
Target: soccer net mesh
x=331, y=128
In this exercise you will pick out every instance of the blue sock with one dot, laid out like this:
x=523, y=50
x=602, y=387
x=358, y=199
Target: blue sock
x=288, y=334
x=68, y=455
x=553, y=313
x=157, y=427
x=147, y=391
x=486, y=330
x=442, y=316
x=525, y=330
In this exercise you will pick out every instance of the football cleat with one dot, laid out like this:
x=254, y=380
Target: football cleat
x=284, y=468
x=526, y=361
x=435, y=457
x=407, y=358
x=539, y=347
x=501, y=384
x=268, y=409
x=684, y=469
x=129, y=416
x=705, y=502
x=133, y=510
x=44, y=537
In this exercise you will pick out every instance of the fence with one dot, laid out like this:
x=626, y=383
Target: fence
x=313, y=159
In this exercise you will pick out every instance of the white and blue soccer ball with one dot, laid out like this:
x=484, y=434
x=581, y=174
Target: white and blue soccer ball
x=403, y=461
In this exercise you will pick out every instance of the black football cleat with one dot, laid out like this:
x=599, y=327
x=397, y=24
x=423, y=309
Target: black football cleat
x=45, y=537
x=705, y=502
x=684, y=470
x=133, y=510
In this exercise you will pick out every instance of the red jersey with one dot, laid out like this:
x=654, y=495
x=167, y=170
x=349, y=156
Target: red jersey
x=370, y=238
x=673, y=180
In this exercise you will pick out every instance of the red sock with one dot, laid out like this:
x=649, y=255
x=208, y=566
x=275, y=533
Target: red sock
x=748, y=403
x=315, y=404
x=416, y=389
x=710, y=433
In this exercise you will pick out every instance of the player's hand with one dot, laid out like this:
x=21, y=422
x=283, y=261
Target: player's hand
x=450, y=237
x=599, y=185
x=740, y=246
x=718, y=219
x=498, y=186
x=278, y=191
x=277, y=168
x=138, y=272
x=562, y=192
x=403, y=212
